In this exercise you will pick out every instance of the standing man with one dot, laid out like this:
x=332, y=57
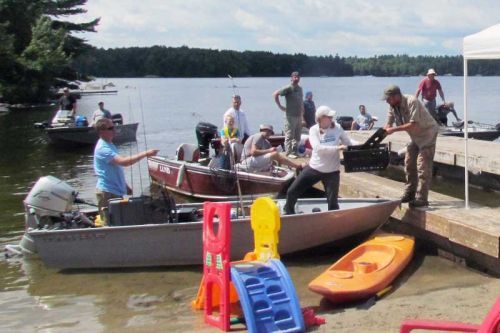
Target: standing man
x=364, y=121
x=240, y=119
x=108, y=166
x=309, y=110
x=428, y=88
x=67, y=102
x=294, y=111
x=100, y=113
x=411, y=116
x=327, y=139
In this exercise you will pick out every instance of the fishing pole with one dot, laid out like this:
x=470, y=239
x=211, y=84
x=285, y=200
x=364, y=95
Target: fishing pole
x=240, y=196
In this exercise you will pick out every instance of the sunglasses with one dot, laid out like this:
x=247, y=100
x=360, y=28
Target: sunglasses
x=110, y=128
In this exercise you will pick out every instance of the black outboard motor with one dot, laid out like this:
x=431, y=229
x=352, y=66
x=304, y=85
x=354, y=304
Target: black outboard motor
x=117, y=119
x=205, y=132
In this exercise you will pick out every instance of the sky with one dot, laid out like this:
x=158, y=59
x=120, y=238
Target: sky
x=362, y=28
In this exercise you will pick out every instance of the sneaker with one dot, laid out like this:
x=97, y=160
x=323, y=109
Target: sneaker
x=407, y=197
x=419, y=203
x=293, y=156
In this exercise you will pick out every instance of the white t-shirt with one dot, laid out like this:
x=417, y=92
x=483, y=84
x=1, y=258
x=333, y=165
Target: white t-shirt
x=240, y=122
x=325, y=155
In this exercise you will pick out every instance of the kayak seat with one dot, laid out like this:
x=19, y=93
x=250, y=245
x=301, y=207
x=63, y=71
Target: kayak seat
x=188, y=152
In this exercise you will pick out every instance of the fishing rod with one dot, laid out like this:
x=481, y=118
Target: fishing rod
x=240, y=196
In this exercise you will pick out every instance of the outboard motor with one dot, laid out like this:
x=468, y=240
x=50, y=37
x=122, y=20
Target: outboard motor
x=49, y=204
x=205, y=132
x=117, y=119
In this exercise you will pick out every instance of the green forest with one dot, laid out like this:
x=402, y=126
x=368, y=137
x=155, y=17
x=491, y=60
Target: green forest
x=162, y=61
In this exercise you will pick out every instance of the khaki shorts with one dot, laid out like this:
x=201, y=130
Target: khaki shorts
x=103, y=202
x=256, y=163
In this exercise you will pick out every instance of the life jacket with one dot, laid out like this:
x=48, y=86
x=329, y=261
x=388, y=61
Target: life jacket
x=232, y=134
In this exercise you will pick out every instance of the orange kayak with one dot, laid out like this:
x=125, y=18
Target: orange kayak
x=366, y=270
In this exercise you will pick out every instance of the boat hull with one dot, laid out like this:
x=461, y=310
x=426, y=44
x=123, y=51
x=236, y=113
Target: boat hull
x=478, y=135
x=173, y=244
x=198, y=181
x=84, y=136
x=366, y=270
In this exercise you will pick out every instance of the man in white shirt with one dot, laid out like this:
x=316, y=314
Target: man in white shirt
x=240, y=119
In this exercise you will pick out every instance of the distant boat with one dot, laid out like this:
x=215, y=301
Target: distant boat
x=89, y=88
x=64, y=130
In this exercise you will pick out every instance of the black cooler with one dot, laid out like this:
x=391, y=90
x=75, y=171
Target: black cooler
x=370, y=156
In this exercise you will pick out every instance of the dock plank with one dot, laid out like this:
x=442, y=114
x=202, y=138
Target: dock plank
x=484, y=156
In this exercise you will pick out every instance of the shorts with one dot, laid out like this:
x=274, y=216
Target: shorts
x=256, y=163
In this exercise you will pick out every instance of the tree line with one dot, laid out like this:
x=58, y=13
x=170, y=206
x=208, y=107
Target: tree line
x=162, y=61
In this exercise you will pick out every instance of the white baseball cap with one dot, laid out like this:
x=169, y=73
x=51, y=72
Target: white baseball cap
x=324, y=110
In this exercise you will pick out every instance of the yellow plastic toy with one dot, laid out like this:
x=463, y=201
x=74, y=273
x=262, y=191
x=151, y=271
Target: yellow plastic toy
x=266, y=224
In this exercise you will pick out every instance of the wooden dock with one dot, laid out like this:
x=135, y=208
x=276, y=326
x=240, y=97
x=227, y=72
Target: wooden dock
x=469, y=235
x=484, y=156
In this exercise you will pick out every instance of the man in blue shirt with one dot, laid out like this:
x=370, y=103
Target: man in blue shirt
x=108, y=166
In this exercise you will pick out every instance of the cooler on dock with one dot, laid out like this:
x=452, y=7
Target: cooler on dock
x=370, y=156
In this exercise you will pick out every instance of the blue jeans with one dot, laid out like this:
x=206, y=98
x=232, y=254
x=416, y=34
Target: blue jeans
x=306, y=179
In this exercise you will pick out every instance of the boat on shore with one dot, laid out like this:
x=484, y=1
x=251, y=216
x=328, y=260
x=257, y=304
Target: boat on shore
x=65, y=130
x=365, y=270
x=161, y=233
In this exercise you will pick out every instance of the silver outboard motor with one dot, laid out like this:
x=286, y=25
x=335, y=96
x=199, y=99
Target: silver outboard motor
x=49, y=205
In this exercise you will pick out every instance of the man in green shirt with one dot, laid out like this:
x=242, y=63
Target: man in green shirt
x=294, y=112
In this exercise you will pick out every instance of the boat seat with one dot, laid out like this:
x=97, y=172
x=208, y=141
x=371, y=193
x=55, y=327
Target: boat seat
x=188, y=152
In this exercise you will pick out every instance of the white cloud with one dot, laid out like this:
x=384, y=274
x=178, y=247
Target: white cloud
x=316, y=27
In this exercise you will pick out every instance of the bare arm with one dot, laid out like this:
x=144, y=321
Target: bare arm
x=441, y=93
x=404, y=127
x=127, y=161
x=257, y=152
x=276, y=95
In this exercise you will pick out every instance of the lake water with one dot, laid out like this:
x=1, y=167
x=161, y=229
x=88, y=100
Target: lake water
x=36, y=299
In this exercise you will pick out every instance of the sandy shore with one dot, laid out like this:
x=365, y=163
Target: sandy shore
x=431, y=288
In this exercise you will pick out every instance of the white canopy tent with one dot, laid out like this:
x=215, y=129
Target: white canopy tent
x=482, y=45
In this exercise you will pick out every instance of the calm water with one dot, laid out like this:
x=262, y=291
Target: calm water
x=36, y=299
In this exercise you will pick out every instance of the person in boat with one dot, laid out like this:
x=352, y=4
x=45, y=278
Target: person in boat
x=100, y=113
x=294, y=112
x=230, y=140
x=364, y=121
x=327, y=139
x=67, y=102
x=258, y=153
x=240, y=118
x=108, y=167
x=309, y=110
x=443, y=111
x=429, y=87
x=409, y=115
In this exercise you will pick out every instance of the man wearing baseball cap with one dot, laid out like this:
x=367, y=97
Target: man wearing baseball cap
x=406, y=113
x=327, y=140
x=428, y=87
x=258, y=153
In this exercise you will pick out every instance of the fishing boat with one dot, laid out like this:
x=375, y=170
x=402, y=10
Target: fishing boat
x=192, y=174
x=366, y=270
x=475, y=130
x=158, y=232
x=65, y=130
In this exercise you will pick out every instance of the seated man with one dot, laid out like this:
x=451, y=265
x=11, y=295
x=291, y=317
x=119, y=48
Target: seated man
x=364, y=121
x=100, y=113
x=443, y=111
x=230, y=137
x=258, y=153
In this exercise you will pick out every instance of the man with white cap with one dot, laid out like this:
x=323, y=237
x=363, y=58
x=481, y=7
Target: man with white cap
x=409, y=115
x=428, y=87
x=258, y=153
x=327, y=140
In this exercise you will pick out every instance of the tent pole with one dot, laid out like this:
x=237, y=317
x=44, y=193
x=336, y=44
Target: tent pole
x=466, y=136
